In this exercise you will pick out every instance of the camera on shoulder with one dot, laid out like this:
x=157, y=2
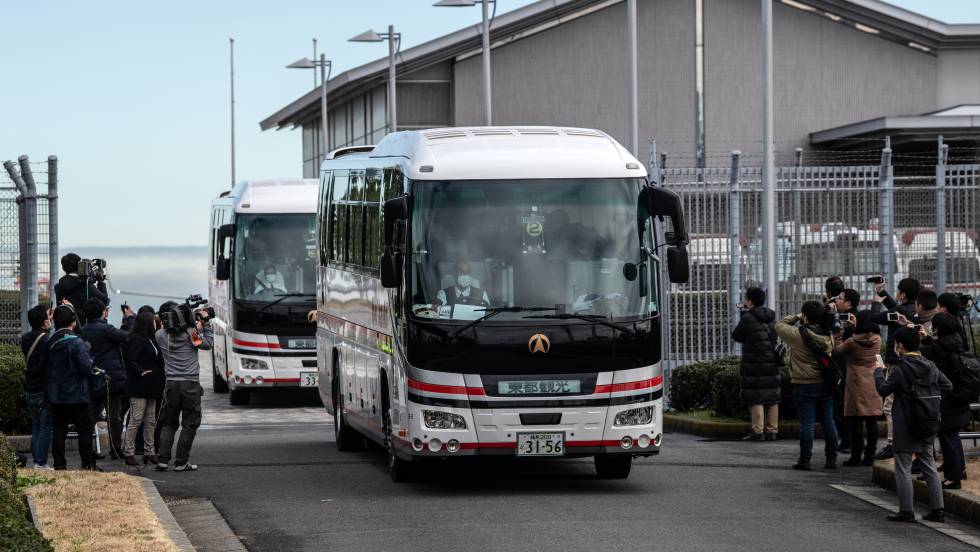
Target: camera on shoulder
x=185, y=316
x=93, y=269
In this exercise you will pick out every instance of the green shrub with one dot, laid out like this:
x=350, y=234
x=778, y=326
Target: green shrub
x=14, y=418
x=690, y=385
x=16, y=530
x=724, y=394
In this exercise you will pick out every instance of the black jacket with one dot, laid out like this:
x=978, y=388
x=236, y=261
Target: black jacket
x=77, y=291
x=107, y=351
x=881, y=318
x=142, y=355
x=69, y=369
x=36, y=379
x=956, y=413
x=759, y=373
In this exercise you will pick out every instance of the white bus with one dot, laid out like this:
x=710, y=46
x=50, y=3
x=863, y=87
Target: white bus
x=262, y=284
x=494, y=291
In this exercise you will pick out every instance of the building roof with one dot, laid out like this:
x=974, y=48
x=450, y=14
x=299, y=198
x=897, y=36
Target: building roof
x=504, y=153
x=873, y=16
x=953, y=122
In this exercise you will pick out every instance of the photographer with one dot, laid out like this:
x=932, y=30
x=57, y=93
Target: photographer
x=759, y=388
x=78, y=289
x=184, y=333
x=107, y=343
x=955, y=405
x=845, y=304
x=862, y=405
x=69, y=378
x=811, y=391
x=887, y=312
x=954, y=304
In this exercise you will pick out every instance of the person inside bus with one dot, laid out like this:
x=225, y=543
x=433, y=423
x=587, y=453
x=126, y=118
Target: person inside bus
x=270, y=280
x=464, y=290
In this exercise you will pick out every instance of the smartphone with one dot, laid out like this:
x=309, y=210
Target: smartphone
x=875, y=280
x=123, y=307
x=893, y=317
x=917, y=328
x=842, y=317
x=880, y=361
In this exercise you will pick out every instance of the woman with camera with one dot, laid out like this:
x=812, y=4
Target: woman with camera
x=955, y=404
x=144, y=364
x=862, y=404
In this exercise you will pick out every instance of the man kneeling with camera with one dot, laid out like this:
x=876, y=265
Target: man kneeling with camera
x=186, y=330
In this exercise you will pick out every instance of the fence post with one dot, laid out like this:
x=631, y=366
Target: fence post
x=886, y=222
x=654, y=166
x=734, y=244
x=53, y=257
x=31, y=208
x=791, y=260
x=25, y=302
x=941, y=216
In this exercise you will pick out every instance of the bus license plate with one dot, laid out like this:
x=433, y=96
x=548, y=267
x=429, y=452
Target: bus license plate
x=540, y=444
x=307, y=379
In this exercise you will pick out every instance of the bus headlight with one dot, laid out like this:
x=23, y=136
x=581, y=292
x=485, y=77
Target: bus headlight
x=435, y=419
x=634, y=417
x=254, y=364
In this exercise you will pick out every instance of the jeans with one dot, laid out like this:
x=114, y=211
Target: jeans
x=859, y=424
x=141, y=411
x=79, y=415
x=814, y=402
x=954, y=465
x=41, y=425
x=181, y=401
x=903, y=478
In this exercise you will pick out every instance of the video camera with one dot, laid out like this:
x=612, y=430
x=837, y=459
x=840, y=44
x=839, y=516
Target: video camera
x=185, y=316
x=967, y=302
x=93, y=269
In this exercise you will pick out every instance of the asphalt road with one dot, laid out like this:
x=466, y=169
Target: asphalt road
x=273, y=471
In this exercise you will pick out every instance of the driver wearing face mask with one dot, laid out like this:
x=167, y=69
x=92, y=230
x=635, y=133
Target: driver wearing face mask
x=464, y=288
x=269, y=278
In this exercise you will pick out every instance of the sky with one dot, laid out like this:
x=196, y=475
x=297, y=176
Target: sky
x=133, y=97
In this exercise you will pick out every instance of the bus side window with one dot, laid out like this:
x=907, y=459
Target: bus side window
x=372, y=219
x=356, y=218
x=340, y=229
x=324, y=217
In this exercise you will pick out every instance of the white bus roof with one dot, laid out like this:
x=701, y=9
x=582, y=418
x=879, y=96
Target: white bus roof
x=506, y=153
x=274, y=196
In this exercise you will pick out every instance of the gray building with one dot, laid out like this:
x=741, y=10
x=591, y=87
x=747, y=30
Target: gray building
x=846, y=72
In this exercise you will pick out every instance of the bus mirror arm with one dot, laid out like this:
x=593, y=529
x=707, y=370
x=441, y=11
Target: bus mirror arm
x=395, y=210
x=222, y=268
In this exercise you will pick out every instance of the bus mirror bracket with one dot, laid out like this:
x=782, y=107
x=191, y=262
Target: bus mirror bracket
x=661, y=202
x=391, y=268
x=222, y=268
x=678, y=266
x=395, y=210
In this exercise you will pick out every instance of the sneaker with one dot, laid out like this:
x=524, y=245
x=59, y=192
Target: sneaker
x=802, y=465
x=752, y=437
x=885, y=453
x=185, y=467
x=936, y=516
x=162, y=466
x=43, y=467
x=902, y=516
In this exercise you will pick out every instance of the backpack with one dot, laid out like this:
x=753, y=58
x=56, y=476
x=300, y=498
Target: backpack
x=966, y=366
x=922, y=417
x=829, y=369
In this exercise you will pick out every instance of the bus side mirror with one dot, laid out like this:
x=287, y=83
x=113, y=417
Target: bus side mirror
x=222, y=268
x=395, y=209
x=664, y=203
x=678, y=267
x=391, y=268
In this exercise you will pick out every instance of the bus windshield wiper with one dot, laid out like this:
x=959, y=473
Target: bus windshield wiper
x=588, y=318
x=281, y=297
x=494, y=311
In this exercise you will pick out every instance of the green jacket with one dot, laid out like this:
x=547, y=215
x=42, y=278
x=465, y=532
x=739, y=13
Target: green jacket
x=802, y=364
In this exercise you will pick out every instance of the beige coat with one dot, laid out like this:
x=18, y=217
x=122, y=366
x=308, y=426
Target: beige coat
x=860, y=395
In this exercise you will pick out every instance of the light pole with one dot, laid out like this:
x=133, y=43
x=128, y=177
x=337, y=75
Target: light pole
x=487, y=21
x=768, y=162
x=634, y=124
x=231, y=53
x=325, y=66
x=394, y=43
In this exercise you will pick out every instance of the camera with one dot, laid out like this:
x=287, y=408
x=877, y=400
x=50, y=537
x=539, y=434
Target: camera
x=892, y=317
x=966, y=301
x=875, y=280
x=93, y=269
x=185, y=316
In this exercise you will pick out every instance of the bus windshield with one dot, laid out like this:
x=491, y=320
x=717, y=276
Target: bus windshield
x=554, y=246
x=275, y=258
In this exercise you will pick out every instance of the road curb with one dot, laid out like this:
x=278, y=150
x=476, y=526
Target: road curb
x=962, y=504
x=22, y=443
x=159, y=508
x=716, y=429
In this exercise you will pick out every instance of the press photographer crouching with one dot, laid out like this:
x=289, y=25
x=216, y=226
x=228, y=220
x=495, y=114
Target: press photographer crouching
x=186, y=330
x=84, y=279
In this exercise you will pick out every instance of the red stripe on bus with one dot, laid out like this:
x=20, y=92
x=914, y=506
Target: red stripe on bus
x=629, y=386
x=256, y=344
x=447, y=389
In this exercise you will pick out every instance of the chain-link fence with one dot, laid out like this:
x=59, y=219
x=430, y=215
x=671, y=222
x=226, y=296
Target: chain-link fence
x=851, y=221
x=28, y=241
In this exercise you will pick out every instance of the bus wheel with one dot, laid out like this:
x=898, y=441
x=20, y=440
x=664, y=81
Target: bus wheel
x=613, y=466
x=347, y=438
x=401, y=471
x=239, y=397
x=218, y=383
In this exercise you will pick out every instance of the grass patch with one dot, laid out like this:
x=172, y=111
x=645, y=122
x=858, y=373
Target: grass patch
x=32, y=478
x=89, y=511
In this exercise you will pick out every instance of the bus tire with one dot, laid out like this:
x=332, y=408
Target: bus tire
x=613, y=466
x=239, y=397
x=346, y=437
x=400, y=470
x=218, y=384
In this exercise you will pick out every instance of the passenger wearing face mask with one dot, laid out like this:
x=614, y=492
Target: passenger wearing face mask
x=269, y=278
x=464, y=289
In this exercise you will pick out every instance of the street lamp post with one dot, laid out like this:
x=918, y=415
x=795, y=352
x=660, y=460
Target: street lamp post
x=394, y=43
x=487, y=20
x=325, y=66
